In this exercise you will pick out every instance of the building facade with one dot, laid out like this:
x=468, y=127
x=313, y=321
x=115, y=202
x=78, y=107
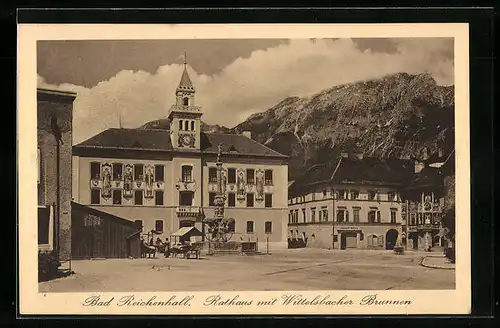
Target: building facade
x=424, y=202
x=54, y=132
x=167, y=179
x=353, y=202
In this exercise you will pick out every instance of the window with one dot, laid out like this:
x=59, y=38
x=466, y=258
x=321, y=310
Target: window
x=250, y=176
x=324, y=209
x=313, y=215
x=117, y=197
x=185, y=101
x=138, y=224
x=313, y=195
x=371, y=216
x=413, y=220
x=393, y=216
x=159, y=225
x=268, y=177
x=117, y=171
x=211, y=199
x=342, y=194
x=39, y=163
x=249, y=226
x=250, y=200
x=304, y=215
x=212, y=174
x=268, y=200
x=138, y=197
x=180, y=125
x=268, y=227
x=379, y=218
x=159, y=173
x=192, y=125
x=186, y=125
x=391, y=196
x=231, y=199
x=290, y=216
x=371, y=194
x=187, y=173
x=95, y=170
x=43, y=225
x=95, y=196
x=231, y=226
x=355, y=212
x=296, y=217
x=159, y=198
x=341, y=215
x=231, y=175
x=354, y=194
x=138, y=171
x=186, y=198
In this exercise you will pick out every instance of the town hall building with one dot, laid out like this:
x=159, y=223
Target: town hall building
x=164, y=180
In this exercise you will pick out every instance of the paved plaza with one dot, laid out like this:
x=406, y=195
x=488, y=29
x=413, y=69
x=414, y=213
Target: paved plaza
x=293, y=269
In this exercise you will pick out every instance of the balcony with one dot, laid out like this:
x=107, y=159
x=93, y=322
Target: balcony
x=188, y=211
x=185, y=109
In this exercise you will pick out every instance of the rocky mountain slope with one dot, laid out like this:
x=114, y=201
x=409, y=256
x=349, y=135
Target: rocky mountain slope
x=394, y=116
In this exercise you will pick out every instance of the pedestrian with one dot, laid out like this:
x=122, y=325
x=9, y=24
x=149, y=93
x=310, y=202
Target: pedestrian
x=167, y=248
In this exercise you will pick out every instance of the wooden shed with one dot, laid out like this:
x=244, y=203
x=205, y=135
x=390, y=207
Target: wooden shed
x=97, y=234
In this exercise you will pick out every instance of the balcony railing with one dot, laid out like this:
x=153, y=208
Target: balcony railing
x=187, y=211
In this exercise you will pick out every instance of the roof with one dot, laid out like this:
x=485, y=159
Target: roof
x=366, y=170
x=185, y=84
x=101, y=214
x=192, y=231
x=159, y=140
x=55, y=95
x=427, y=177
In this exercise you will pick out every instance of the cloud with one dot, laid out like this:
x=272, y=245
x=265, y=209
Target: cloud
x=252, y=84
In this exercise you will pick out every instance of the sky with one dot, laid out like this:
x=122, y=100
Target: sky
x=233, y=78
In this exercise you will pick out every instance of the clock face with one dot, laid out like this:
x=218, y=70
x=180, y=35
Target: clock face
x=187, y=140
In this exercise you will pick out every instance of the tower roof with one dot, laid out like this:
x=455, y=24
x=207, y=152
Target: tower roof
x=185, y=84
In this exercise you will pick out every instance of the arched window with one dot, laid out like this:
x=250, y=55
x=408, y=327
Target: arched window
x=192, y=125
x=186, y=125
x=185, y=101
x=180, y=125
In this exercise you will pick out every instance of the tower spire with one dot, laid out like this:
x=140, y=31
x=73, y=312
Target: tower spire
x=185, y=85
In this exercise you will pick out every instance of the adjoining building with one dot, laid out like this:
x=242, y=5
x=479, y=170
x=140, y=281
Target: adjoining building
x=424, y=201
x=353, y=202
x=54, y=134
x=164, y=180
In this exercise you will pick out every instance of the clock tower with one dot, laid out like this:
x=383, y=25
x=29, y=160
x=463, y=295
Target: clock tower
x=184, y=116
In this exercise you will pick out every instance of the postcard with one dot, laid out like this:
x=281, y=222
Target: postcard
x=286, y=169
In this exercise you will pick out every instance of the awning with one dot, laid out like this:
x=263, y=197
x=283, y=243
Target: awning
x=191, y=231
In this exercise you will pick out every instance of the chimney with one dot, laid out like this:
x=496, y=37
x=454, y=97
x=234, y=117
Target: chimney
x=247, y=134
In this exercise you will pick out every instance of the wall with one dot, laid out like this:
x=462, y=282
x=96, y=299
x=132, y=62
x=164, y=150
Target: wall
x=321, y=199
x=60, y=105
x=320, y=235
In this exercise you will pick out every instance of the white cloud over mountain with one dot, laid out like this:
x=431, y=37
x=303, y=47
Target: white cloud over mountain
x=250, y=85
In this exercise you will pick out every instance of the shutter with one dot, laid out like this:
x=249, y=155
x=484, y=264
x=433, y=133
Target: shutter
x=346, y=216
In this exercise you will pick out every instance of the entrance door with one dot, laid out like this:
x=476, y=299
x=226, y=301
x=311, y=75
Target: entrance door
x=391, y=238
x=343, y=241
x=351, y=240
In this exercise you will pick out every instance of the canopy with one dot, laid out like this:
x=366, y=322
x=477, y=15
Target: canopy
x=191, y=231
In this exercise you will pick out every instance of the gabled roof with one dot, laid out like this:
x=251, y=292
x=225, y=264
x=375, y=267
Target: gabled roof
x=159, y=140
x=366, y=170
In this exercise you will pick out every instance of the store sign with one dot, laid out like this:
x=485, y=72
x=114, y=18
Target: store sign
x=349, y=228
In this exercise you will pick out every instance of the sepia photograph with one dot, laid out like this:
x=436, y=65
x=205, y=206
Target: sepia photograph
x=217, y=164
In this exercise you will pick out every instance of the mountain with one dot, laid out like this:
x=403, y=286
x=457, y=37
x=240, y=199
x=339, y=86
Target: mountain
x=395, y=116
